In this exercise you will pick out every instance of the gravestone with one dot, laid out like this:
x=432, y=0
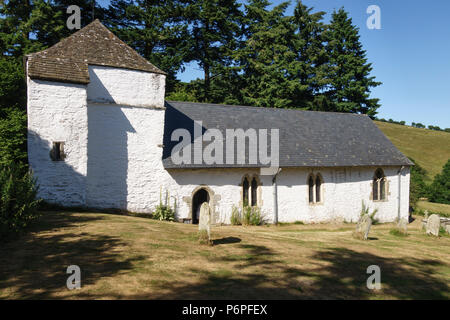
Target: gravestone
x=363, y=227
x=433, y=225
x=447, y=228
x=204, y=224
x=402, y=225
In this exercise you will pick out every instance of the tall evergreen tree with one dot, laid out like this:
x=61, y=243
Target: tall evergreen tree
x=155, y=29
x=265, y=57
x=310, y=68
x=214, y=29
x=28, y=26
x=12, y=83
x=350, y=80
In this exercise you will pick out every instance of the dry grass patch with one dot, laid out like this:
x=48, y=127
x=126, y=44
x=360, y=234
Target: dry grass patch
x=136, y=258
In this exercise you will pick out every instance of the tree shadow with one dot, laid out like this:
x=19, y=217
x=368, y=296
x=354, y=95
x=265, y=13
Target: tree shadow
x=35, y=265
x=335, y=274
x=402, y=278
x=227, y=240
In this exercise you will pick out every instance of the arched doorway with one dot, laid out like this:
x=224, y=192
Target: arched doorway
x=198, y=199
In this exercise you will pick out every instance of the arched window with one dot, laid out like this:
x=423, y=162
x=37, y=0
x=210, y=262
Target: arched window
x=318, y=189
x=379, y=185
x=245, y=187
x=254, y=192
x=315, y=188
x=311, y=189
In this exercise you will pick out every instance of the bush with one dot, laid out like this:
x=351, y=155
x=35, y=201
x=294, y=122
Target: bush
x=440, y=188
x=164, y=211
x=236, y=218
x=181, y=93
x=13, y=134
x=418, y=188
x=18, y=202
x=252, y=216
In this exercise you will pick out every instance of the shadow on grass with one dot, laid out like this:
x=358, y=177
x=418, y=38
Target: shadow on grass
x=35, y=264
x=227, y=240
x=336, y=274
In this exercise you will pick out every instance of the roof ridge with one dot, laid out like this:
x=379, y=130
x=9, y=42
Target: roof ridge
x=94, y=44
x=270, y=108
x=64, y=40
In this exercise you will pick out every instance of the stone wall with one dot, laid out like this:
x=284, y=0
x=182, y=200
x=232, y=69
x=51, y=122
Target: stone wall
x=125, y=87
x=57, y=113
x=113, y=135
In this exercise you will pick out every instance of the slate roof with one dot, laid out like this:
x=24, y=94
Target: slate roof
x=68, y=60
x=307, y=138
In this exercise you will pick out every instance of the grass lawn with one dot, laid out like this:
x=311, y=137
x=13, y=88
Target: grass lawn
x=431, y=149
x=434, y=207
x=136, y=258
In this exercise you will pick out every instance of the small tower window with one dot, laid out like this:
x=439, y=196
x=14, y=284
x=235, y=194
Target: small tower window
x=57, y=152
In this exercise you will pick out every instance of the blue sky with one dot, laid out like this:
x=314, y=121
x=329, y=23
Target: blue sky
x=410, y=55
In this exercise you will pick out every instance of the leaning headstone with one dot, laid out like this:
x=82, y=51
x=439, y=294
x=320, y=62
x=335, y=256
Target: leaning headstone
x=363, y=227
x=433, y=225
x=204, y=225
x=402, y=226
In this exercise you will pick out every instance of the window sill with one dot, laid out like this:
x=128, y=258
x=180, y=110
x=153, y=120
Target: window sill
x=385, y=200
x=316, y=204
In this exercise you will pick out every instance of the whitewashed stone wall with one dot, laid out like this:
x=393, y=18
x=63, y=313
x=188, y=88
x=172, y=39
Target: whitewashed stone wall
x=113, y=134
x=125, y=171
x=343, y=193
x=344, y=189
x=57, y=113
x=125, y=87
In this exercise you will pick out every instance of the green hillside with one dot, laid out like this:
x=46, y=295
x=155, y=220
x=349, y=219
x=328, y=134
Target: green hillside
x=430, y=149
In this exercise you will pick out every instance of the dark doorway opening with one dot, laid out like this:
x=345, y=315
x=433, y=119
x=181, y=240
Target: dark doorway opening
x=199, y=198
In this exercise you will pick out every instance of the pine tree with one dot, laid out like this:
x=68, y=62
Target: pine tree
x=15, y=30
x=12, y=83
x=49, y=18
x=214, y=29
x=350, y=80
x=310, y=67
x=28, y=26
x=155, y=29
x=265, y=56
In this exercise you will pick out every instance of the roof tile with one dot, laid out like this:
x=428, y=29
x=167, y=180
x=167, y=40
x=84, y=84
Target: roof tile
x=306, y=138
x=68, y=60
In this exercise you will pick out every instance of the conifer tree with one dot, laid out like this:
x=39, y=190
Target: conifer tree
x=155, y=29
x=310, y=67
x=214, y=30
x=265, y=56
x=350, y=80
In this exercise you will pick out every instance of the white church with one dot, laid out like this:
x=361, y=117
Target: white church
x=100, y=135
